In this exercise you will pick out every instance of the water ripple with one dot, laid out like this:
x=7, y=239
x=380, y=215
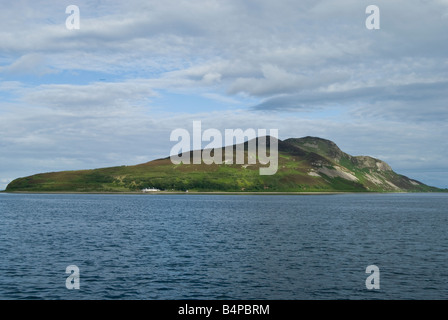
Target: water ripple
x=223, y=247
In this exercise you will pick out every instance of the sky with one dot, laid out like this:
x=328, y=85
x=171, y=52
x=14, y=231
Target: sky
x=111, y=92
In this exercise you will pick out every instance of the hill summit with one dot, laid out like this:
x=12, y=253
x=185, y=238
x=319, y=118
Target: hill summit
x=308, y=164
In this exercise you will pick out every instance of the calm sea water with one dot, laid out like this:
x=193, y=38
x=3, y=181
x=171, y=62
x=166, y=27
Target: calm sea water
x=224, y=246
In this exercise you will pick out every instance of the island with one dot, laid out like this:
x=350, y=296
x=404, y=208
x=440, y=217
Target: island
x=305, y=165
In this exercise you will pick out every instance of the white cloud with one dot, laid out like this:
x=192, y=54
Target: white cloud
x=99, y=96
x=32, y=63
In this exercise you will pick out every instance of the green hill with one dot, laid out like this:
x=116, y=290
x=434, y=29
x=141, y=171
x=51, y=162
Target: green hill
x=307, y=164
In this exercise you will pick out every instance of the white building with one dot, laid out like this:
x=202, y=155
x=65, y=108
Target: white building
x=150, y=190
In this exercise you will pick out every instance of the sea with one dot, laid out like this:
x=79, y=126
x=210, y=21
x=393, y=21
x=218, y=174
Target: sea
x=213, y=247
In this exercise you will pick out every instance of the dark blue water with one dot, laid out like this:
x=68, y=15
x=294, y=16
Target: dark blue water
x=224, y=246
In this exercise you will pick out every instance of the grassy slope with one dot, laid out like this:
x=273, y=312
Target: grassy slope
x=296, y=159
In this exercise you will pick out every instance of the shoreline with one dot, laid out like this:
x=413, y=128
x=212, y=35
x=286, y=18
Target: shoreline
x=181, y=192
x=210, y=192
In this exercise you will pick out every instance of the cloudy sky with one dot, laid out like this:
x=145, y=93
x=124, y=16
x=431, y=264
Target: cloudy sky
x=111, y=92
